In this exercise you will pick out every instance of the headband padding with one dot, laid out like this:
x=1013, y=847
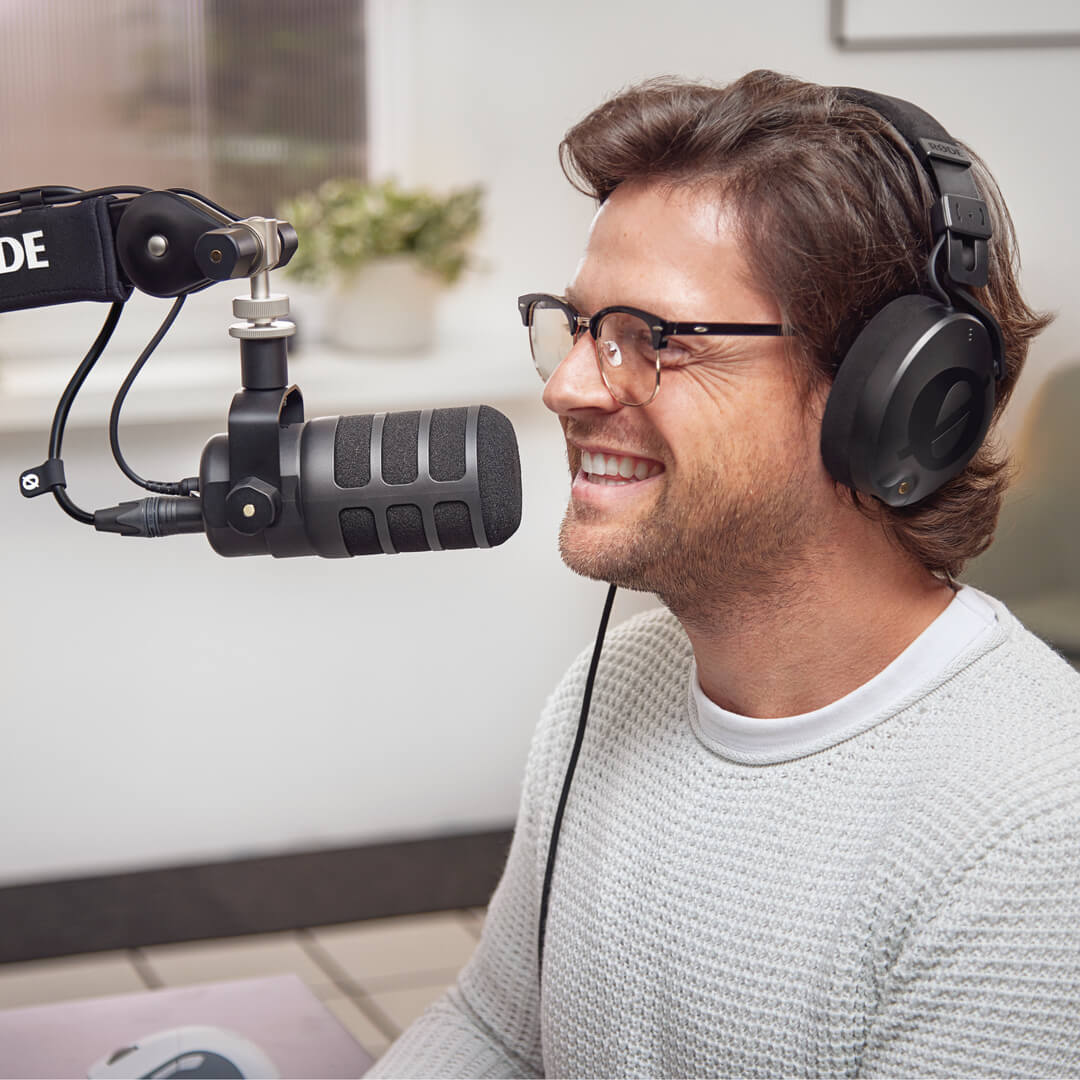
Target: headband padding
x=912, y=122
x=918, y=128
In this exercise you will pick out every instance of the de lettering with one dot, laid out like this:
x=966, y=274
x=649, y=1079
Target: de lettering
x=14, y=254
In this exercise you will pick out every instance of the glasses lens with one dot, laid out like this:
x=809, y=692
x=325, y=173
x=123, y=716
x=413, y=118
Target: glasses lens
x=549, y=337
x=624, y=344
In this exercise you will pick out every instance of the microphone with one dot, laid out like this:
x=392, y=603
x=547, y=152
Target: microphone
x=275, y=484
x=430, y=480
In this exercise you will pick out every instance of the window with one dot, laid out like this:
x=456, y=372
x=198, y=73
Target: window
x=246, y=101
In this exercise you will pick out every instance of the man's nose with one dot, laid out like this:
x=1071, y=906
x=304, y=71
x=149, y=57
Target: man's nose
x=576, y=383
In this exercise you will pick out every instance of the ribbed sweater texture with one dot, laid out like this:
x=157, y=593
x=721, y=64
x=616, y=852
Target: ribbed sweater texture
x=903, y=903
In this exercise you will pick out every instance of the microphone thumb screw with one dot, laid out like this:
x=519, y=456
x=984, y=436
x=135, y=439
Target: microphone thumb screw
x=252, y=505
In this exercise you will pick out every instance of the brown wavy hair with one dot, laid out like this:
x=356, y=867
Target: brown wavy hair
x=833, y=212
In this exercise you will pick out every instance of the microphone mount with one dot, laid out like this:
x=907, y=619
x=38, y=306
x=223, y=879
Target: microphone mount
x=266, y=404
x=170, y=244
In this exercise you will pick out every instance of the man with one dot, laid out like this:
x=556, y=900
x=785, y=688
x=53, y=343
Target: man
x=826, y=815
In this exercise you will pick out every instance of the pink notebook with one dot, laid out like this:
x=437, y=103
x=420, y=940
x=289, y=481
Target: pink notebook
x=279, y=1014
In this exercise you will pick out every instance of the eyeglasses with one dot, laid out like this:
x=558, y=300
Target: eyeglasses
x=627, y=341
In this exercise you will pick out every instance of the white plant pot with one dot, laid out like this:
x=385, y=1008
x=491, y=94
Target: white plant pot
x=388, y=307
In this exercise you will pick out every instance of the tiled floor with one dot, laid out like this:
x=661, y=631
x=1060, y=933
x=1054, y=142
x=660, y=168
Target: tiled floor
x=376, y=977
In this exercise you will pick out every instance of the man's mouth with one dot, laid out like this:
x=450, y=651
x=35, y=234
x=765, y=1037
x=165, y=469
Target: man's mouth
x=616, y=469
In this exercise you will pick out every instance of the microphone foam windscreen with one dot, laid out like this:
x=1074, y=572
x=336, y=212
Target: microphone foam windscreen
x=496, y=481
x=352, y=469
x=401, y=433
x=359, y=532
x=447, y=463
x=500, y=475
x=352, y=451
x=448, y=443
x=406, y=525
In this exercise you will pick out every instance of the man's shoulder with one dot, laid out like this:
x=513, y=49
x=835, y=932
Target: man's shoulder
x=1002, y=727
x=1024, y=672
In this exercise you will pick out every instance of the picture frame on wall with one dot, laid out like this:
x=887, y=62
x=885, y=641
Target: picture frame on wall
x=932, y=24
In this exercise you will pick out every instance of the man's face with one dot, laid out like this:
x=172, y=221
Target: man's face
x=734, y=488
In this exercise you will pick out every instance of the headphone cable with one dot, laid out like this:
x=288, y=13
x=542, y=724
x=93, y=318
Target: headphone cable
x=545, y=892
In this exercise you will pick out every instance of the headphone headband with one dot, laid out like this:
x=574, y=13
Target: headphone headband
x=914, y=395
x=960, y=215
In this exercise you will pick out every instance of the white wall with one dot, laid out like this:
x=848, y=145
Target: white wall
x=499, y=83
x=162, y=704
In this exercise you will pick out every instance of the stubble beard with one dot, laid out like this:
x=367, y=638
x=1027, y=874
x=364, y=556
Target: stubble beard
x=701, y=547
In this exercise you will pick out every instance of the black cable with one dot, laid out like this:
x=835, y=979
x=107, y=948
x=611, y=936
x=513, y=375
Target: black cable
x=53, y=195
x=63, y=407
x=932, y=272
x=159, y=488
x=126, y=189
x=545, y=892
x=205, y=201
x=48, y=193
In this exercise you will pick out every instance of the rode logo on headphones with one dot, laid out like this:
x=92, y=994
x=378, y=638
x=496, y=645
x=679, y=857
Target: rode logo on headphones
x=28, y=251
x=948, y=151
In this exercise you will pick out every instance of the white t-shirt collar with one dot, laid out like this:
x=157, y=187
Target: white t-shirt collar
x=967, y=622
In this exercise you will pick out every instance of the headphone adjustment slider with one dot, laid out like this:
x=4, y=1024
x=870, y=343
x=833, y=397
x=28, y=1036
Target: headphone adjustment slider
x=966, y=223
x=963, y=216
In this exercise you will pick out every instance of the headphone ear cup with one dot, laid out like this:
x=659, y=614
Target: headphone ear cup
x=885, y=336
x=911, y=401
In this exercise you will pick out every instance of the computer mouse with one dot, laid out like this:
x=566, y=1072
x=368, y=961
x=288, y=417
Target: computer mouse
x=186, y=1053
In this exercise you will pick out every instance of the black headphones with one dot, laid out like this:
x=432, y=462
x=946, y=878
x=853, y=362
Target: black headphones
x=914, y=395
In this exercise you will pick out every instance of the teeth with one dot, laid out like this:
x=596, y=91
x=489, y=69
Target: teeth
x=611, y=469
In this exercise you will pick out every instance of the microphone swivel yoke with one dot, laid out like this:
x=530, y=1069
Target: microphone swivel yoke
x=168, y=243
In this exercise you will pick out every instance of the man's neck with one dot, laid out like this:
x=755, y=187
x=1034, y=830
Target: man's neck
x=800, y=644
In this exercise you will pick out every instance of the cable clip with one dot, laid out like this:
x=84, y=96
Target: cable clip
x=46, y=477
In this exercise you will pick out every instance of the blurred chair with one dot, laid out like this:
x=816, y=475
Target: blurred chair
x=1033, y=566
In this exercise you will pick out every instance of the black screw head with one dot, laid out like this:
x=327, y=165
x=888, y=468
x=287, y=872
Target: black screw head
x=252, y=505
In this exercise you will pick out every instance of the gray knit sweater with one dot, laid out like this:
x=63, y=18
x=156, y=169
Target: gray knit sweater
x=904, y=902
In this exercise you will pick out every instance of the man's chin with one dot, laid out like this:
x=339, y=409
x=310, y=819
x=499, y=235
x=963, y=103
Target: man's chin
x=609, y=558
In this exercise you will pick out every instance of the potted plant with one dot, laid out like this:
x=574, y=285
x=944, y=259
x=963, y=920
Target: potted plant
x=389, y=253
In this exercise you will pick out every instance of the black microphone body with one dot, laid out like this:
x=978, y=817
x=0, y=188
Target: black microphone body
x=429, y=480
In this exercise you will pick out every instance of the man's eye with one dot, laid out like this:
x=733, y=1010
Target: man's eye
x=674, y=355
